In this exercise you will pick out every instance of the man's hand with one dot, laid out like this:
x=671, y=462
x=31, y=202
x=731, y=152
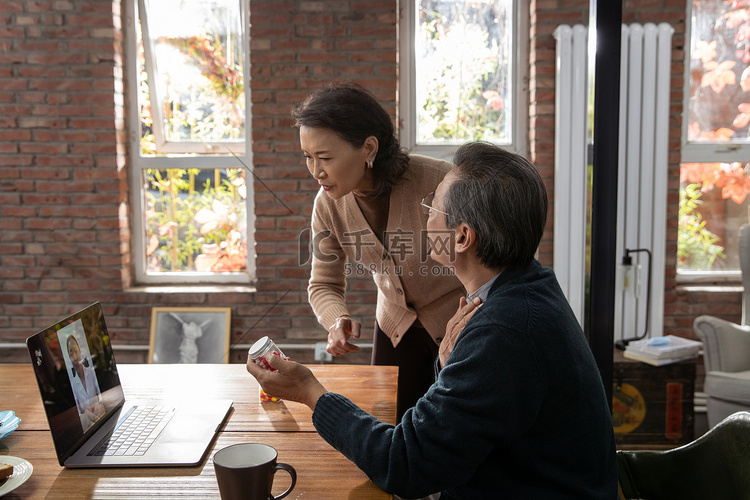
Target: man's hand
x=291, y=381
x=339, y=334
x=455, y=325
x=461, y=318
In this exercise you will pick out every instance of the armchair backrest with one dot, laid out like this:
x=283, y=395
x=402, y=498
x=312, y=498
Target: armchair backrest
x=713, y=466
x=743, y=239
x=725, y=344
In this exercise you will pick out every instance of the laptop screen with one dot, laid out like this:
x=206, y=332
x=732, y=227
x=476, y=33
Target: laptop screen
x=75, y=368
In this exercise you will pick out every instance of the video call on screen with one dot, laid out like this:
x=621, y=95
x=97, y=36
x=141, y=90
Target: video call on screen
x=75, y=368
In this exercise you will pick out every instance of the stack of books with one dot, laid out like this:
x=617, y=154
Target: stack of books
x=660, y=351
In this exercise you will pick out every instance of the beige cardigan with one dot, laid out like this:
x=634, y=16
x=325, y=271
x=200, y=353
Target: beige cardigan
x=410, y=284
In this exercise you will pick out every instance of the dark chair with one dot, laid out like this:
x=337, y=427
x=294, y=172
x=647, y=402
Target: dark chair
x=715, y=466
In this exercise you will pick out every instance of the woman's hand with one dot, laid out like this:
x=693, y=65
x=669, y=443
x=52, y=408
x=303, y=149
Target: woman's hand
x=339, y=334
x=288, y=380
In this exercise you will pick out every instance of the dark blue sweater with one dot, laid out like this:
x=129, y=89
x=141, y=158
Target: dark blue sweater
x=518, y=411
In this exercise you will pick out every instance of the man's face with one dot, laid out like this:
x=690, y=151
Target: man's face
x=74, y=353
x=441, y=238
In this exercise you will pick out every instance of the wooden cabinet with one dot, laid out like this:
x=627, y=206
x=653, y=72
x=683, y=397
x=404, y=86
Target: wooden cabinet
x=652, y=405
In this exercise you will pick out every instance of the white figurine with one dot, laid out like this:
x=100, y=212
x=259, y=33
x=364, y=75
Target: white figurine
x=190, y=332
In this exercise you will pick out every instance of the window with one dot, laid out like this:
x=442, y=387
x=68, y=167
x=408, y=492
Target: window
x=192, y=184
x=460, y=75
x=715, y=174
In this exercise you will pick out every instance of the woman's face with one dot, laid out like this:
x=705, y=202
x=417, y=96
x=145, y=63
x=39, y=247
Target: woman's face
x=338, y=167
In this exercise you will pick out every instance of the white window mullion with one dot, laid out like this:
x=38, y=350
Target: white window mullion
x=150, y=61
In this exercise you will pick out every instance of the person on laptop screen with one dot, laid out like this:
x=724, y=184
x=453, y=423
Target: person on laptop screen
x=83, y=380
x=518, y=409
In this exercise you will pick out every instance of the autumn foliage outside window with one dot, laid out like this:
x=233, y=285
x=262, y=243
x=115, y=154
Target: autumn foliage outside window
x=713, y=195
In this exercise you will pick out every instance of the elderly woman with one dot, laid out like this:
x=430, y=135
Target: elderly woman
x=367, y=219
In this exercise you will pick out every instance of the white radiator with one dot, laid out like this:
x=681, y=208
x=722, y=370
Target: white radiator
x=642, y=169
x=569, y=253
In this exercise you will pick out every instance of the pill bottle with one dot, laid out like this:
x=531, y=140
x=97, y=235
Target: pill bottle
x=259, y=353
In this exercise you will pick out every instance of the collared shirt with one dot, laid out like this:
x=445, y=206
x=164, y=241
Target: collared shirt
x=86, y=392
x=482, y=291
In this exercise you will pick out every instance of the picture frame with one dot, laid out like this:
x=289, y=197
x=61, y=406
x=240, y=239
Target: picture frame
x=189, y=335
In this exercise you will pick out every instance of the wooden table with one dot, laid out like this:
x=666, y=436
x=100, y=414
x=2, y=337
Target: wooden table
x=322, y=472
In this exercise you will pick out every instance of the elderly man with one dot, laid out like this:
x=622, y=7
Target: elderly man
x=518, y=409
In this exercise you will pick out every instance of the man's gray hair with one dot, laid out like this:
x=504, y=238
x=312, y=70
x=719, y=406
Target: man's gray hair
x=502, y=197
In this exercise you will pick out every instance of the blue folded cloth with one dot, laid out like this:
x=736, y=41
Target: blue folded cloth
x=8, y=422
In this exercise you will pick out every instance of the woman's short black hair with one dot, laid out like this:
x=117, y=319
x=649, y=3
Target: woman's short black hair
x=354, y=114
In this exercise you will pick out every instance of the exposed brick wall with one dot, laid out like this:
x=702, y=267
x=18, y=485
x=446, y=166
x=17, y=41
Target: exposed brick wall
x=64, y=175
x=64, y=160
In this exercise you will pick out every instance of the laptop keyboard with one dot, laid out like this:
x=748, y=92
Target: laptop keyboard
x=134, y=435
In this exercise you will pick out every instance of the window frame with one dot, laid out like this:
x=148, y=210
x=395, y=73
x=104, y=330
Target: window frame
x=239, y=158
x=407, y=92
x=705, y=152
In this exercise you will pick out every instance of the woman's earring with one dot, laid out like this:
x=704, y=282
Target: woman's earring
x=369, y=164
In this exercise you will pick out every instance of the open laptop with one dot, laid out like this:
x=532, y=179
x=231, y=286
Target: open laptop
x=89, y=416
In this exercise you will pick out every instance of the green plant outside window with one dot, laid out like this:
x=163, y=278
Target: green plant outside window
x=195, y=221
x=464, y=71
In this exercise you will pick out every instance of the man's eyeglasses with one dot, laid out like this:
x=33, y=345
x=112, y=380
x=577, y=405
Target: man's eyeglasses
x=427, y=204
